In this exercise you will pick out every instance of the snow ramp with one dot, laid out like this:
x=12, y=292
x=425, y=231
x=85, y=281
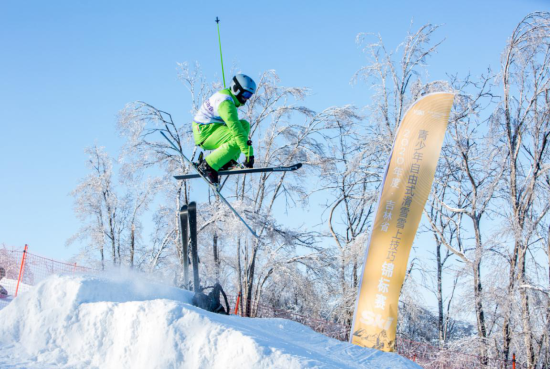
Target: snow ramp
x=125, y=322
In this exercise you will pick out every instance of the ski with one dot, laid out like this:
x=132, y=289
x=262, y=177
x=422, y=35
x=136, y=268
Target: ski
x=244, y=171
x=194, y=252
x=184, y=225
x=214, y=188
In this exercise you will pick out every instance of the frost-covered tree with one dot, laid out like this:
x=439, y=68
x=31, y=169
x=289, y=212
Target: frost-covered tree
x=444, y=229
x=395, y=77
x=98, y=204
x=140, y=193
x=471, y=169
x=349, y=182
x=523, y=121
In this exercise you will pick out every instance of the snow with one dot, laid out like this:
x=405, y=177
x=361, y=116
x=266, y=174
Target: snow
x=126, y=322
x=10, y=286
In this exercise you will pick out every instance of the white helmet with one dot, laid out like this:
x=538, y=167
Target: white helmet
x=243, y=87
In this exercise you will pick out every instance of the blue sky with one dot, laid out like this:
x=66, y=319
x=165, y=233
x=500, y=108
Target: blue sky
x=68, y=67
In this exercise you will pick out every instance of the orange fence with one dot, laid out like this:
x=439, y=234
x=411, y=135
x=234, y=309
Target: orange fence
x=24, y=270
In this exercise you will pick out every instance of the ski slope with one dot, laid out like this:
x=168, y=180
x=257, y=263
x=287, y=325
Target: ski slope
x=125, y=322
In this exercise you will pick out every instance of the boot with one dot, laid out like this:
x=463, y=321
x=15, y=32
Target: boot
x=230, y=165
x=208, y=172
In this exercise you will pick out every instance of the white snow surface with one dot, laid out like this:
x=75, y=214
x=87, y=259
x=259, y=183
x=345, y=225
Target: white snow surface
x=126, y=322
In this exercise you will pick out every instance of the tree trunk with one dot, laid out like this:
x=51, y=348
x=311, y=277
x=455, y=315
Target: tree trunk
x=113, y=247
x=480, y=314
x=216, y=256
x=525, y=315
x=478, y=291
x=112, y=237
x=355, y=275
x=240, y=273
x=440, y=325
x=249, y=291
x=132, y=245
x=506, y=333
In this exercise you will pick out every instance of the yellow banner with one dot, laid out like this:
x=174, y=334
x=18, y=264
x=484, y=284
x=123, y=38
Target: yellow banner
x=406, y=186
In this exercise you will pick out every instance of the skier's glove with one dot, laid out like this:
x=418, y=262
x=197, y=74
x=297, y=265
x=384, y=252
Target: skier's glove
x=249, y=162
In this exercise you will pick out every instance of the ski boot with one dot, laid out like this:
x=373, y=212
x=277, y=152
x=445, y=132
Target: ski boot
x=209, y=173
x=232, y=164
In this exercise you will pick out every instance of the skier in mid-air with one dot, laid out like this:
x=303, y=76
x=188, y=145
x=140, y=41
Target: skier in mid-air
x=217, y=126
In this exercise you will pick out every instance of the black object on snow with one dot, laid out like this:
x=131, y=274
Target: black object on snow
x=211, y=302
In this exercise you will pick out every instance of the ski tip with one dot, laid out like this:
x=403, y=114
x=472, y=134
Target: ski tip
x=298, y=166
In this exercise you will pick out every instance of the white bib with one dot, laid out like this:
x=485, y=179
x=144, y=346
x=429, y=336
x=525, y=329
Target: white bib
x=208, y=112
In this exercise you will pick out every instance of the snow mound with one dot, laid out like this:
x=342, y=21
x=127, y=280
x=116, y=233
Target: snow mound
x=107, y=322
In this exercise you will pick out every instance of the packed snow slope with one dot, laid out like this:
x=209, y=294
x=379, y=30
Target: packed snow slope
x=125, y=322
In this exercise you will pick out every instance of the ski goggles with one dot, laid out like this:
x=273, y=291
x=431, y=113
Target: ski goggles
x=246, y=95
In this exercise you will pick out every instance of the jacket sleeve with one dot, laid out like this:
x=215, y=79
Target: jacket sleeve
x=228, y=112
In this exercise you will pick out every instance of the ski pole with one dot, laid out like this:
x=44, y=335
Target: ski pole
x=221, y=56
